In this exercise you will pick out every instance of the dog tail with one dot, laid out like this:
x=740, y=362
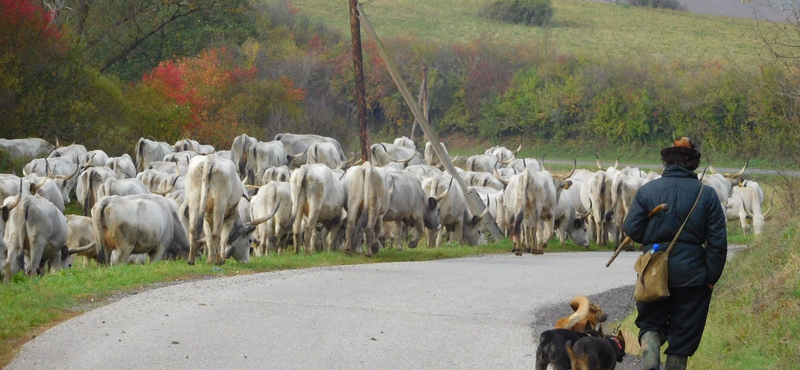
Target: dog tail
x=573, y=358
x=581, y=306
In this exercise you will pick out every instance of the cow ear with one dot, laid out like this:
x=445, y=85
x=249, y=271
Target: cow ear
x=474, y=220
x=5, y=213
x=431, y=203
x=577, y=223
x=289, y=158
x=64, y=253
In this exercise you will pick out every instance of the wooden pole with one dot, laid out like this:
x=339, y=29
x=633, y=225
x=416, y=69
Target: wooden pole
x=425, y=94
x=358, y=66
x=474, y=203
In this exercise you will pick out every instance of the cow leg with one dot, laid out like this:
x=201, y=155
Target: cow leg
x=35, y=259
x=157, y=253
x=123, y=254
x=432, y=235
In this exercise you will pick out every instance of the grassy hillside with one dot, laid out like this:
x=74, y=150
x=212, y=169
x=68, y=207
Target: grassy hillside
x=593, y=28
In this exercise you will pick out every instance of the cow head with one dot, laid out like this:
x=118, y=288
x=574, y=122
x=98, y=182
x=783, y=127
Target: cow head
x=576, y=230
x=472, y=228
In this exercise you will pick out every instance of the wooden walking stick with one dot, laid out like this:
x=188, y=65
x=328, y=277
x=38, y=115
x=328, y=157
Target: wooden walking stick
x=661, y=207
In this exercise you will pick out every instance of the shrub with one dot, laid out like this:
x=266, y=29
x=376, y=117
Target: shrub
x=530, y=12
x=659, y=4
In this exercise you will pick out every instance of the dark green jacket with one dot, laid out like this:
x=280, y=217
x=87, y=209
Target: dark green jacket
x=690, y=263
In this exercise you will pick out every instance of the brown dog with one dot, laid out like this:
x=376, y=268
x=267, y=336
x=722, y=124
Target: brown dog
x=593, y=353
x=585, y=312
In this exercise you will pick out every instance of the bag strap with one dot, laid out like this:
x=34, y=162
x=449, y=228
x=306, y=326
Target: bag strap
x=675, y=239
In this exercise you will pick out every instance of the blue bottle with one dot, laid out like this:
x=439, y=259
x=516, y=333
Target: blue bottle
x=655, y=249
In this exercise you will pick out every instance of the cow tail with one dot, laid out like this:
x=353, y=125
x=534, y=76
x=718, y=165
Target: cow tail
x=103, y=239
x=370, y=197
x=298, y=197
x=139, y=155
x=205, y=187
x=25, y=240
x=89, y=198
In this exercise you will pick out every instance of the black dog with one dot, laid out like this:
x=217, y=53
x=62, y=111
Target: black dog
x=552, y=349
x=592, y=353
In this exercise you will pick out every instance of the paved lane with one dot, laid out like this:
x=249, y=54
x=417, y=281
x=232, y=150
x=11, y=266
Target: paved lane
x=469, y=313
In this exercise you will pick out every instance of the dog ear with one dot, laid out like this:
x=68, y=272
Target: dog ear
x=600, y=331
x=588, y=327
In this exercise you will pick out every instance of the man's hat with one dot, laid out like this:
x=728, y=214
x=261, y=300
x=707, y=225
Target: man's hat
x=684, y=146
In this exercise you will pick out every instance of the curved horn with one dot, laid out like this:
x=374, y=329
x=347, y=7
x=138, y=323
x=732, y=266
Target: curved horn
x=485, y=210
x=165, y=192
x=57, y=144
x=15, y=202
x=574, y=167
x=297, y=156
x=740, y=173
x=505, y=163
x=770, y=206
x=541, y=164
x=749, y=214
x=66, y=178
x=499, y=178
x=616, y=162
x=403, y=161
x=261, y=220
x=35, y=187
x=518, y=149
x=85, y=248
x=597, y=159
x=443, y=194
x=584, y=215
x=252, y=187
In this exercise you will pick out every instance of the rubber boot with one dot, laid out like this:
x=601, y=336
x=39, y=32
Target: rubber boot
x=675, y=362
x=651, y=350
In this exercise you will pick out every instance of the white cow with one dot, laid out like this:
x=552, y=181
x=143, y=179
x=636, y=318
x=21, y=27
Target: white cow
x=123, y=166
x=409, y=204
x=454, y=215
x=122, y=187
x=35, y=235
x=213, y=191
x=136, y=224
x=26, y=148
x=274, y=234
x=94, y=158
x=406, y=142
x=150, y=151
x=317, y=197
x=74, y=152
x=744, y=206
x=239, y=150
x=263, y=156
x=88, y=183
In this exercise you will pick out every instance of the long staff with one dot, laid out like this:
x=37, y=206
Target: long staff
x=661, y=207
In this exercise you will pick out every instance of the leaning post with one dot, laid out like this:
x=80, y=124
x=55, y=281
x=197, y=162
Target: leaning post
x=474, y=203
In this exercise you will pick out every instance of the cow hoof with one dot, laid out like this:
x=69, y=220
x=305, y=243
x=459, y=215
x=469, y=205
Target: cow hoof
x=411, y=245
x=191, y=263
x=528, y=250
x=375, y=248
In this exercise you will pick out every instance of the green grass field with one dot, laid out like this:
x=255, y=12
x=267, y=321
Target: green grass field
x=585, y=27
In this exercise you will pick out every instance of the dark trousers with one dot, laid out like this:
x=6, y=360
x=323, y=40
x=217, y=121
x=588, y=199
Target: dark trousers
x=681, y=318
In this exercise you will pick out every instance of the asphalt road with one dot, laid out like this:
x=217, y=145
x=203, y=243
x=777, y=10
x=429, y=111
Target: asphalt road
x=469, y=313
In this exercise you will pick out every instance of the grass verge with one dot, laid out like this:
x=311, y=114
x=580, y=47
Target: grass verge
x=754, y=320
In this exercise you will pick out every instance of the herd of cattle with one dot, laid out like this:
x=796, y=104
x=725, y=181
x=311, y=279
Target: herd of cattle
x=188, y=199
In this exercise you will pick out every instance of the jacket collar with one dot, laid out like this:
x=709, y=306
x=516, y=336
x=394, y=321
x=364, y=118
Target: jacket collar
x=678, y=171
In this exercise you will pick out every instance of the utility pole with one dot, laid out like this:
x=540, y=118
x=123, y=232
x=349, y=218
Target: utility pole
x=358, y=65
